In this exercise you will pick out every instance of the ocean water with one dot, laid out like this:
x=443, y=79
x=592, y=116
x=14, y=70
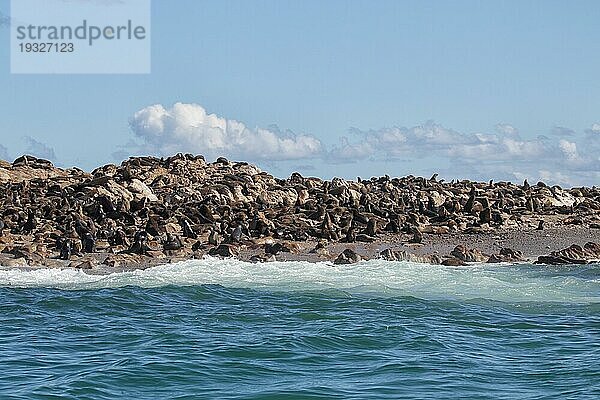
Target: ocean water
x=224, y=329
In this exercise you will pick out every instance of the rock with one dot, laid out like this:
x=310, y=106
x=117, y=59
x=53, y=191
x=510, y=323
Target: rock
x=392, y=255
x=506, y=255
x=85, y=264
x=347, y=256
x=132, y=206
x=573, y=254
x=465, y=254
x=15, y=262
x=453, y=262
x=140, y=189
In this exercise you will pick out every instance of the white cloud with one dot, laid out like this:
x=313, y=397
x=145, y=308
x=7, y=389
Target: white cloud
x=507, y=129
x=350, y=152
x=562, y=131
x=189, y=128
x=502, y=155
x=569, y=149
x=561, y=158
x=39, y=149
x=595, y=128
x=400, y=142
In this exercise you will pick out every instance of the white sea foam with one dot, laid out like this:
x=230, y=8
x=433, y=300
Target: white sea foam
x=496, y=282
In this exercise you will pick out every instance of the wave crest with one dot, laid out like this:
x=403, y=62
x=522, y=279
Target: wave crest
x=512, y=283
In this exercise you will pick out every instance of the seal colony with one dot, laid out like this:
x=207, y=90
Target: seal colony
x=150, y=211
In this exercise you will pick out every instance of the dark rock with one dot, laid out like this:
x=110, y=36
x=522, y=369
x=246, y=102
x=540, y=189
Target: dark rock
x=453, y=262
x=347, y=256
x=573, y=254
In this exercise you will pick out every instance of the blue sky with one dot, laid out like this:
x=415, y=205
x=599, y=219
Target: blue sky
x=476, y=89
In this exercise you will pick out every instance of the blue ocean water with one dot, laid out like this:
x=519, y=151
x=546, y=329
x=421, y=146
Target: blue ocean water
x=226, y=329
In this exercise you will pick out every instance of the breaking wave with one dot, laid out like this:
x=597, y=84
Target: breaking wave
x=510, y=283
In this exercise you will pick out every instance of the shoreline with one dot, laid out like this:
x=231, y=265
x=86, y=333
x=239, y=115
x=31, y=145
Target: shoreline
x=151, y=211
x=531, y=244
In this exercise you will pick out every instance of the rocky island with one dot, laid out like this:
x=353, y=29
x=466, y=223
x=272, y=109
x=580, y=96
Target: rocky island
x=149, y=211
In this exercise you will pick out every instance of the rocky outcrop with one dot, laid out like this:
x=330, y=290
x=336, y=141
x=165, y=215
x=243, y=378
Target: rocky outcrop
x=506, y=255
x=465, y=254
x=574, y=254
x=401, y=255
x=183, y=206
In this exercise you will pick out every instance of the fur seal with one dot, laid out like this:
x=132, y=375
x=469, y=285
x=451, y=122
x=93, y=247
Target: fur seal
x=89, y=243
x=140, y=243
x=66, y=249
x=417, y=236
x=188, y=232
x=540, y=225
x=236, y=235
x=172, y=243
